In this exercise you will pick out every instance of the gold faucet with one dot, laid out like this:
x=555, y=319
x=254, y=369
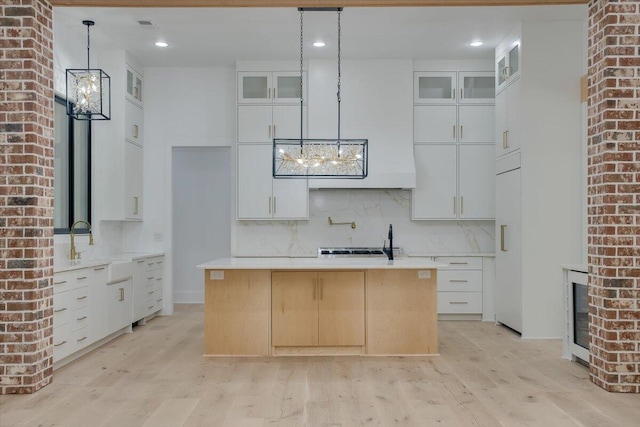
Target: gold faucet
x=74, y=254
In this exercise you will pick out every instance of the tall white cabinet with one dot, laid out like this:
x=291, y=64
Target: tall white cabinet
x=118, y=143
x=268, y=107
x=453, y=122
x=538, y=173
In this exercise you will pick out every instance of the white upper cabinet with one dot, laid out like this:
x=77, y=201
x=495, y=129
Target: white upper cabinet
x=435, y=123
x=434, y=87
x=262, y=123
x=267, y=87
x=134, y=85
x=507, y=65
x=477, y=123
x=435, y=195
x=260, y=196
x=476, y=173
x=476, y=87
x=508, y=128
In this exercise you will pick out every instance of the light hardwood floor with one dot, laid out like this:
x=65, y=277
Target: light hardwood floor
x=156, y=377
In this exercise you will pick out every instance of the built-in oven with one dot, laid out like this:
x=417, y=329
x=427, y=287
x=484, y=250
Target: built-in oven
x=577, y=345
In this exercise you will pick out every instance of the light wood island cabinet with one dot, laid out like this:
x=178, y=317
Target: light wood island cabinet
x=363, y=310
x=311, y=309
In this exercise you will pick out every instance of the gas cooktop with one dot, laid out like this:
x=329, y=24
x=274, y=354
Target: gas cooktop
x=354, y=252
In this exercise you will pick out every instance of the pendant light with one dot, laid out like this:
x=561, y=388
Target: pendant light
x=320, y=158
x=88, y=90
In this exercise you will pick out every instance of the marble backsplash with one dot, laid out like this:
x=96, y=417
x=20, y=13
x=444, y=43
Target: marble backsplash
x=372, y=211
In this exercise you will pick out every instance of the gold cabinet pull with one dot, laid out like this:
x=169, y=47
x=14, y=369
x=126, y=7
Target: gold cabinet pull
x=150, y=292
x=99, y=269
x=135, y=205
x=458, y=263
x=269, y=205
x=454, y=205
x=140, y=262
x=461, y=129
x=82, y=278
x=274, y=131
x=81, y=318
x=458, y=281
x=275, y=206
x=150, y=307
x=81, y=298
x=62, y=282
x=60, y=310
x=459, y=302
x=269, y=131
x=315, y=288
x=121, y=294
x=506, y=139
x=135, y=131
x=59, y=344
x=82, y=339
x=461, y=93
x=503, y=228
x=454, y=131
x=321, y=287
x=453, y=94
x=461, y=205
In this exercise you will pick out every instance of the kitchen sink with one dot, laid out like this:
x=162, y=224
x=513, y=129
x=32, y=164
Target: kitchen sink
x=120, y=270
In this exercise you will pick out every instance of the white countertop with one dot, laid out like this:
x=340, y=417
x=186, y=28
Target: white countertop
x=68, y=265
x=318, y=263
x=452, y=254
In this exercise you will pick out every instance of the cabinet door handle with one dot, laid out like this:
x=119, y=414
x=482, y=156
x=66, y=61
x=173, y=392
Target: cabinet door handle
x=81, y=298
x=506, y=139
x=149, y=293
x=99, y=269
x=269, y=205
x=269, y=127
x=121, y=294
x=461, y=133
x=461, y=205
x=135, y=131
x=275, y=206
x=274, y=131
x=321, y=287
x=459, y=263
x=149, y=278
x=60, y=310
x=58, y=345
x=453, y=94
x=82, y=339
x=81, y=318
x=503, y=228
x=459, y=302
x=458, y=281
x=454, y=132
x=82, y=278
x=135, y=205
x=140, y=262
x=315, y=288
x=461, y=93
x=150, y=307
x=454, y=205
x=62, y=282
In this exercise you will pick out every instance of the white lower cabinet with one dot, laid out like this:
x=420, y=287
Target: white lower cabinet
x=76, y=317
x=460, y=285
x=260, y=196
x=119, y=304
x=148, y=284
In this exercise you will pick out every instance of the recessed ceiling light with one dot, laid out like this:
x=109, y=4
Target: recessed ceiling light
x=319, y=44
x=161, y=44
x=476, y=43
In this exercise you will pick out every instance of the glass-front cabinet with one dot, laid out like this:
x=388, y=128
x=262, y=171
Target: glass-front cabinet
x=508, y=66
x=476, y=87
x=266, y=87
x=134, y=86
x=434, y=87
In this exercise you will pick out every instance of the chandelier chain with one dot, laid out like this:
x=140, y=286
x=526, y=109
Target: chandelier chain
x=88, y=46
x=301, y=77
x=339, y=74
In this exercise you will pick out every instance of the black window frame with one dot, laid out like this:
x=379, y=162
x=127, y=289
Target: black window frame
x=71, y=177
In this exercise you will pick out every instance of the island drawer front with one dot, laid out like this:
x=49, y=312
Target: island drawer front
x=460, y=263
x=460, y=281
x=459, y=302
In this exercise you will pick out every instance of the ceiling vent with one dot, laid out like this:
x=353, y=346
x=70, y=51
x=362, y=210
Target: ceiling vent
x=146, y=23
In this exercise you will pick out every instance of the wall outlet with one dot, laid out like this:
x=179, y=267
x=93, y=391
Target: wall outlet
x=216, y=275
x=158, y=237
x=424, y=274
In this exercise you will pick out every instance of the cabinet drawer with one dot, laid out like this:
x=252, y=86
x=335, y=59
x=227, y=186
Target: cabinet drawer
x=79, y=318
x=157, y=285
x=68, y=280
x=460, y=302
x=80, y=338
x=62, y=344
x=154, y=263
x=64, y=303
x=460, y=281
x=460, y=263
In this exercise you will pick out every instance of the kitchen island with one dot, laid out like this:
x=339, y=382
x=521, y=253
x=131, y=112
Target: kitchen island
x=320, y=306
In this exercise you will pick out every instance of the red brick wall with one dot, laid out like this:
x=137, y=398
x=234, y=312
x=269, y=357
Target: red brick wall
x=26, y=195
x=614, y=193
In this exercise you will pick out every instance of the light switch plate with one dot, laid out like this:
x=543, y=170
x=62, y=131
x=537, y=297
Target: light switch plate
x=424, y=274
x=216, y=275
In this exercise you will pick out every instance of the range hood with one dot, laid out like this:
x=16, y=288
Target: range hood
x=376, y=104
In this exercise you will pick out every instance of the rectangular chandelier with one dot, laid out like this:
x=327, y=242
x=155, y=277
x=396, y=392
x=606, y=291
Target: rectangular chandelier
x=320, y=158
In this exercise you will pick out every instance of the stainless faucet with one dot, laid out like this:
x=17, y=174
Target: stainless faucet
x=74, y=254
x=389, y=252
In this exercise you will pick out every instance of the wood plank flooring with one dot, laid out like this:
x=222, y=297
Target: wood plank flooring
x=156, y=377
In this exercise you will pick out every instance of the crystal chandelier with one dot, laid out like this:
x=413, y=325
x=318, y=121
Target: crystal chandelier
x=320, y=158
x=88, y=90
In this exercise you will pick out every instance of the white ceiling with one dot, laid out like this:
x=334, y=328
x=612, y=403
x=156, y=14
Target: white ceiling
x=220, y=36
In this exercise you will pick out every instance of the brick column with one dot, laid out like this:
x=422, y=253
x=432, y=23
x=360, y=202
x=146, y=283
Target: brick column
x=26, y=195
x=614, y=194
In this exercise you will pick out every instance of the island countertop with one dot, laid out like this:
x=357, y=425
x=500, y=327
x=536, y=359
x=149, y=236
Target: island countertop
x=281, y=263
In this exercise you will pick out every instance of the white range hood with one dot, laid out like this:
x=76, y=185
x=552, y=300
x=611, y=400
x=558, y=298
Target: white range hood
x=377, y=104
